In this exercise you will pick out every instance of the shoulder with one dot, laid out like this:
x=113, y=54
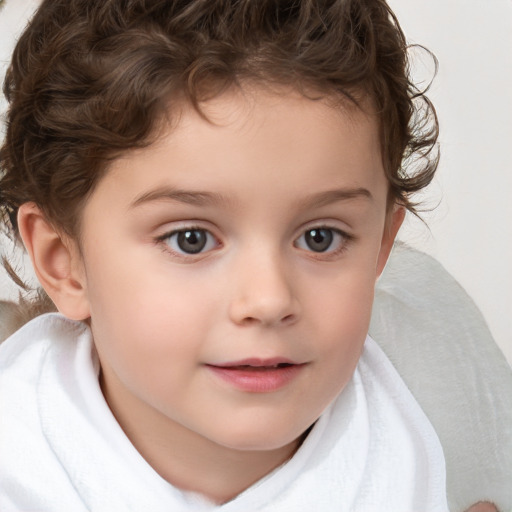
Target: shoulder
x=44, y=344
x=33, y=340
x=29, y=470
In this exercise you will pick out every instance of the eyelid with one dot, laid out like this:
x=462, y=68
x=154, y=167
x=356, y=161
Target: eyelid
x=181, y=227
x=326, y=223
x=346, y=240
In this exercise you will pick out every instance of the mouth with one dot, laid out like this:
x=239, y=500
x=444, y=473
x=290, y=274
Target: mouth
x=249, y=367
x=258, y=375
x=254, y=362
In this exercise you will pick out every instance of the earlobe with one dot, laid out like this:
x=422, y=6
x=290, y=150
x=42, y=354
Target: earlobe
x=56, y=263
x=393, y=223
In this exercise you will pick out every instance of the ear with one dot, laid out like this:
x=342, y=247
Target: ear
x=56, y=262
x=394, y=220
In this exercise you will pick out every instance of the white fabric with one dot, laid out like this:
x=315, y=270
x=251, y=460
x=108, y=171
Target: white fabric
x=62, y=450
x=440, y=345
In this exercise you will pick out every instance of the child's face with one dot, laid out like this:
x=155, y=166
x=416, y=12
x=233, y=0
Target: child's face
x=253, y=240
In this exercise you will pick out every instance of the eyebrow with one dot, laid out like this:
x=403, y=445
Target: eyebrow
x=196, y=198
x=333, y=196
x=201, y=198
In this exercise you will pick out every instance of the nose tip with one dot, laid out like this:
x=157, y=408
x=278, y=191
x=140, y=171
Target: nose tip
x=264, y=314
x=266, y=297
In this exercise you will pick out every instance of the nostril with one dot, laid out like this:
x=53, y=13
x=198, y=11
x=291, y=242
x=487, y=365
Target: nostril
x=288, y=318
x=249, y=320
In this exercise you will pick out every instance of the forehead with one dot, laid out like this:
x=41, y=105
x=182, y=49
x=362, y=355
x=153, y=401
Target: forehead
x=295, y=144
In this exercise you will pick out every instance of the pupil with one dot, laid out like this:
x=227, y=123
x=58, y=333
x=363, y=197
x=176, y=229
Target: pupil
x=319, y=240
x=192, y=242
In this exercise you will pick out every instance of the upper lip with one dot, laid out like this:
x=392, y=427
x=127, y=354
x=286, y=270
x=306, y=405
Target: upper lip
x=257, y=362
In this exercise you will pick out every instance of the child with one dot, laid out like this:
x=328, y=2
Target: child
x=208, y=191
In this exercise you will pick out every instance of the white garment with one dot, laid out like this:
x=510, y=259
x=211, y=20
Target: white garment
x=61, y=449
x=441, y=338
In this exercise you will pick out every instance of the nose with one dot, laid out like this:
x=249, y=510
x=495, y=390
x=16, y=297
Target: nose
x=263, y=292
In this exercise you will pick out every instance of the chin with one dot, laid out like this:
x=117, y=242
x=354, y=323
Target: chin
x=263, y=439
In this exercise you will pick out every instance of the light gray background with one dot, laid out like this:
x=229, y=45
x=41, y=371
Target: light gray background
x=470, y=231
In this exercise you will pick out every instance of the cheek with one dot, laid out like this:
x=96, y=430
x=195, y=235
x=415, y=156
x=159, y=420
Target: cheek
x=342, y=314
x=147, y=343
x=143, y=320
x=339, y=316
x=344, y=302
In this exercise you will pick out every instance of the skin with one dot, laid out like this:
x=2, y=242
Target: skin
x=256, y=180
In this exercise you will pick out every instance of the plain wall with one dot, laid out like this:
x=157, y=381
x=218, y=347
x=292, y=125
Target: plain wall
x=471, y=228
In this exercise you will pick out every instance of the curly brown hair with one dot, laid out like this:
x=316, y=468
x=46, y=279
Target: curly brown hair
x=90, y=79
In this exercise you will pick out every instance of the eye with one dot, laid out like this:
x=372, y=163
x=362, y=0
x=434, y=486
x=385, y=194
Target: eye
x=321, y=240
x=190, y=241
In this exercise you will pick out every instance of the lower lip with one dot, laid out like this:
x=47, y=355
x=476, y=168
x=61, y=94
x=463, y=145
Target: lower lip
x=258, y=380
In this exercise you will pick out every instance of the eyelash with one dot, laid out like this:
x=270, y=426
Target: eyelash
x=167, y=238
x=344, y=239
